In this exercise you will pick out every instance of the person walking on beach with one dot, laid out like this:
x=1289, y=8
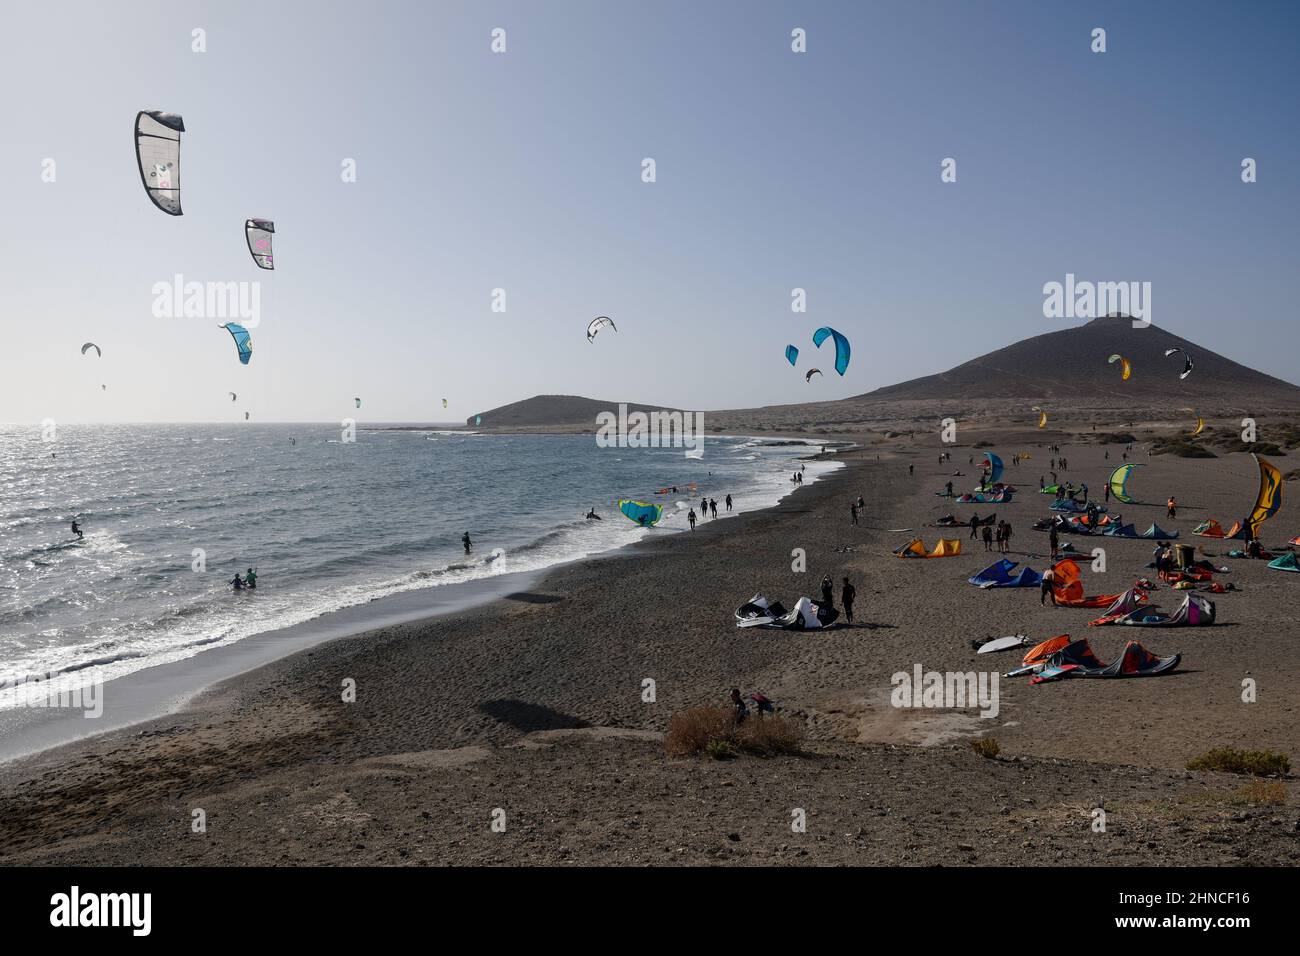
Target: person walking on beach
x=704, y=507
x=1054, y=540
x=847, y=594
x=690, y=516
x=853, y=512
x=828, y=593
x=713, y=506
x=910, y=470
x=728, y=502
x=988, y=537
x=77, y=531
x=1006, y=537
x=464, y=539
x=1107, y=488
x=1045, y=588
x=948, y=486
x=1041, y=484
x=974, y=527
x=861, y=504
x=1173, y=507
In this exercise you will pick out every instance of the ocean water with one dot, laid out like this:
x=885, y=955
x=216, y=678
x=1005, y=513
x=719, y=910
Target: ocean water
x=327, y=524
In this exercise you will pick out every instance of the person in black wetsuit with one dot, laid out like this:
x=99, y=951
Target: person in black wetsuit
x=466, y=541
x=77, y=531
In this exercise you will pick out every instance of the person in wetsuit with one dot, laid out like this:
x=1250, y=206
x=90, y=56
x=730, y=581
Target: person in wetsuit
x=77, y=531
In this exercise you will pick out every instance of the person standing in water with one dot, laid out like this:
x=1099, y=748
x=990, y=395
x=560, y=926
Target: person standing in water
x=77, y=531
x=728, y=502
x=250, y=578
x=464, y=539
x=713, y=506
x=238, y=582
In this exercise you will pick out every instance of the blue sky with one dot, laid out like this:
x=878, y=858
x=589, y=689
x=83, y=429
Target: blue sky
x=522, y=171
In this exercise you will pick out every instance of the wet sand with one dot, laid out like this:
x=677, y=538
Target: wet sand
x=533, y=704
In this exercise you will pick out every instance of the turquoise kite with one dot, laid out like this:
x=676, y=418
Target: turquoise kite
x=841, y=346
x=640, y=512
x=791, y=354
x=994, y=464
x=243, y=341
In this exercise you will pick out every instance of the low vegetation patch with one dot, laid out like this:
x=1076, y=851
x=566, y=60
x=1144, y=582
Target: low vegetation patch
x=1263, y=793
x=986, y=747
x=1180, y=448
x=1259, y=763
x=716, y=732
x=1115, y=438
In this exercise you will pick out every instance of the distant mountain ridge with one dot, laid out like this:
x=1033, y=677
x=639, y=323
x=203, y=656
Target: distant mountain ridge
x=1064, y=366
x=1072, y=363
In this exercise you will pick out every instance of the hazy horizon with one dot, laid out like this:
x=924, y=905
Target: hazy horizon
x=522, y=170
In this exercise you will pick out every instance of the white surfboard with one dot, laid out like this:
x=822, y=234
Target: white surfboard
x=1004, y=644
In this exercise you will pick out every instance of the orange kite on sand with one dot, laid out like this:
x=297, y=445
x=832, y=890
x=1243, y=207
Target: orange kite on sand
x=1067, y=588
x=946, y=548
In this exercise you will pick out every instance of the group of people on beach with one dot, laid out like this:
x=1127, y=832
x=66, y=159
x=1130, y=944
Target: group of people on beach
x=847, y=595
x=1001, y=534
x=708, y=508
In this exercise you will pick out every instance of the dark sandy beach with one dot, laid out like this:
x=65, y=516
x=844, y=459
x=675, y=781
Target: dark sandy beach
x=533, y=704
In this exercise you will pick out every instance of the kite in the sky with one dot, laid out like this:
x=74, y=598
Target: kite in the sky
x=841, y=346
x=1042, y=417
x=791, y=354
x=598, y=323
x=158, y=155
x=245, y=416
x=358, y=401
x=232, y=395
x=1125, y=365
x=92, y=345
x=444, y=403
x=1187, y=362
x=258, y=232
x=811, y=373
x=243, y=341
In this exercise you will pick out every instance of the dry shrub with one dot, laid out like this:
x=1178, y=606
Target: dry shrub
x=715, y=731
x=1263, y=793
x=986, y=747
x=1261, y=763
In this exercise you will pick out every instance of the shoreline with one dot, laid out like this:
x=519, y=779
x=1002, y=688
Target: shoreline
x=536, y=705
x=167, y=689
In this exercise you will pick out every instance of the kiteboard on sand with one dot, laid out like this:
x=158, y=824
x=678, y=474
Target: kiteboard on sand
x=1054, y=673
x=1004, y=644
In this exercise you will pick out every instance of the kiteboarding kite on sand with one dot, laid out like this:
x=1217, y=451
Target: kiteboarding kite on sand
x=258, y=232
x=598, y=323
x=243, y=341
x=158, y=156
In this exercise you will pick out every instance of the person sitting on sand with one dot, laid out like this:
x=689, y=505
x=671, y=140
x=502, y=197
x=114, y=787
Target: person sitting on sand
x=741, y=710
x=762, y=704
x=77, y=531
